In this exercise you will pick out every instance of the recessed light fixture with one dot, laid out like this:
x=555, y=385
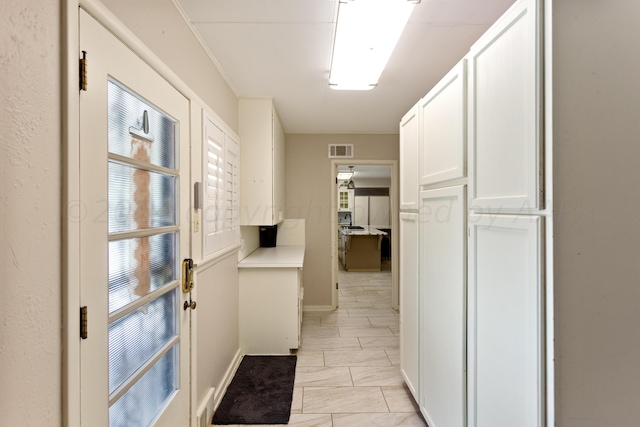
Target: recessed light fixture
x=366, y=34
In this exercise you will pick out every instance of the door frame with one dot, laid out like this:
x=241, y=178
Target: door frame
x=393, y=197
x=71, y=203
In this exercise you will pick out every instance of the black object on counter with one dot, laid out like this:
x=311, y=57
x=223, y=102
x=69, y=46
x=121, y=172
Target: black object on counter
x=268, y=235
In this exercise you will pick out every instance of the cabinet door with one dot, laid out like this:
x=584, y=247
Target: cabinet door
x=262, y=156
x=442, y=306
x=409, y=302
x=345, y=200
x=269, y=301
x=442, y=135
x=505, y=113
x=409, y=160
x=505, y=321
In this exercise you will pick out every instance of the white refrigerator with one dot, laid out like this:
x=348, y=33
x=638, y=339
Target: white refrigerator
x=371, y=210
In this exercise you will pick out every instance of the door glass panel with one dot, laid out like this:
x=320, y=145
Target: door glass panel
x=132, y=276
x=143, y=183
x=125, y=199
x=146, y=398
x=126, y=111
x=136, y=337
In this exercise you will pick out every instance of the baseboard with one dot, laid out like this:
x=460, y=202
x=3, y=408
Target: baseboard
x=226, y=380
x=317, y=308
x=205, y=410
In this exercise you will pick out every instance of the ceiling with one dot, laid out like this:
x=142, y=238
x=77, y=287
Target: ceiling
x=282, y=48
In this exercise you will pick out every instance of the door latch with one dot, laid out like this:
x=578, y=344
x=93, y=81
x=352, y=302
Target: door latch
x=187, y=275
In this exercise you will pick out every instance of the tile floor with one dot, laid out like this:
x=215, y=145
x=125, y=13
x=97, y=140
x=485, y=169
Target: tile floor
x=348, y=372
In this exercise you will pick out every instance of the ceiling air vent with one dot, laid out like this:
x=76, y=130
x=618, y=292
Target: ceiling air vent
x=340, y=151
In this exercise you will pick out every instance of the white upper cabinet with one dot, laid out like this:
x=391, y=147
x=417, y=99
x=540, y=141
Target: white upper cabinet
x=262, y=156
x=442, y=134
x=345, y=199
x=505, y=114
x=409, y=188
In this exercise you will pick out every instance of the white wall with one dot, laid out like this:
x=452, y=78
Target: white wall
x=218, y=323
x=30, y=295
x=596, y=100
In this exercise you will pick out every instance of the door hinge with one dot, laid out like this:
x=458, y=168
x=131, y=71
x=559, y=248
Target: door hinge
x=83, y=71
x=84, y=330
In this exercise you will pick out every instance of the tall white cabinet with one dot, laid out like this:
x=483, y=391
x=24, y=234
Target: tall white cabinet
x=481, y=242
x=433, y=329
x=409, y=252
x=506, y=287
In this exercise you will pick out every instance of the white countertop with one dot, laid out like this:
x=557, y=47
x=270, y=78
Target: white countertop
x=286, y=256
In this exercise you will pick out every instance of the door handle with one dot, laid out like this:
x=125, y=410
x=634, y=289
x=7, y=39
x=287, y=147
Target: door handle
x=187, y=275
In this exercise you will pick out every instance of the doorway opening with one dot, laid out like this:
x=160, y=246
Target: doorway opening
x=364, y=220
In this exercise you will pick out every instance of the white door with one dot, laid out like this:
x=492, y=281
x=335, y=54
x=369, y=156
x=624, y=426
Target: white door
x=506, y=371
x=134, y=169
x=442, y=306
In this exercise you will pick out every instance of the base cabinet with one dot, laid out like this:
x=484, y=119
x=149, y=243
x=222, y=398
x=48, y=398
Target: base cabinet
x=270, y=298
x=270, y=310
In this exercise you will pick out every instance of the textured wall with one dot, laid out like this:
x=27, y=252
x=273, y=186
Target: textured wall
x=597, y=198
x=308, y=185
x=30, y=295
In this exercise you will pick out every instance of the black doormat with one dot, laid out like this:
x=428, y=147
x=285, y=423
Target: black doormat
x=260, y=392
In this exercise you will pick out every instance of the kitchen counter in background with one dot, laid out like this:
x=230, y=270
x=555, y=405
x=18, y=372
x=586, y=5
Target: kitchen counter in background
x=364, y=231
x=359, y=249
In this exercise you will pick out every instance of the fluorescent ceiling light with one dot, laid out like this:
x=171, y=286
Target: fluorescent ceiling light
x=343, y=176
x=366, y=34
